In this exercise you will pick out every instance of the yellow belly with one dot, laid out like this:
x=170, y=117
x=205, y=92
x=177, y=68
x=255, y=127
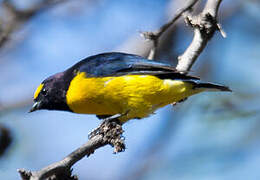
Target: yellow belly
x=136, y=96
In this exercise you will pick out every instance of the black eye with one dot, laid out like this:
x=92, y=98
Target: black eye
x=44, y=92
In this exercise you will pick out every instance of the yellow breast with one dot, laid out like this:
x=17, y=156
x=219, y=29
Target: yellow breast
x=136, y=95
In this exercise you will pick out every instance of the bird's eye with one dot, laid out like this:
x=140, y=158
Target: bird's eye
x=44, y=92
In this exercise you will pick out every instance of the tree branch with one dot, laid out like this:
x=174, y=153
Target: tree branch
x=155, y=36
x=109, y=132
x=204, y=25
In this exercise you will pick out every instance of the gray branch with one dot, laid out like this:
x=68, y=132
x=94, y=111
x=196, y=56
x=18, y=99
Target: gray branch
x=204, y=26
x=109, y=132
x=63, y=167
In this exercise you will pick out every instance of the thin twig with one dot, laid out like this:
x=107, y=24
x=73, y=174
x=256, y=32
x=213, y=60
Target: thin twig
x=155, y=36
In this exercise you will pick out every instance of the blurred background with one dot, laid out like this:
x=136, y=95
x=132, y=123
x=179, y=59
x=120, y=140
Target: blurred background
x=209, y=136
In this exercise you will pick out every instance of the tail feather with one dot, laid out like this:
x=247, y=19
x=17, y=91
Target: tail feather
x=211, y=86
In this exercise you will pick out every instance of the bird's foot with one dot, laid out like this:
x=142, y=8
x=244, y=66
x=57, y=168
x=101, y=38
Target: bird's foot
x=111, y=130
x=111, y=119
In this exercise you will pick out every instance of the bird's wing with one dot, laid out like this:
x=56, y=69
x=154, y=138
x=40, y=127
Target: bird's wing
x=119, y=64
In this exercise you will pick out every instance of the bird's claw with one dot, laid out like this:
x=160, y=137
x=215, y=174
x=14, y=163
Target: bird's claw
x=112, y=119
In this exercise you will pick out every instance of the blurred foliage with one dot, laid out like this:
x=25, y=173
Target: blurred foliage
x=5, y=139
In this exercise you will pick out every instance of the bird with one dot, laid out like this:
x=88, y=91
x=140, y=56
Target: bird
x=122, y=84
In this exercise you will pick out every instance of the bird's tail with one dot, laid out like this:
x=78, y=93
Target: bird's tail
x=210, y=86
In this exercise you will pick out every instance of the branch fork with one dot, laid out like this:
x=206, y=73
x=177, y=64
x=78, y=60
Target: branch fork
x=204, y=26
x=206, y=23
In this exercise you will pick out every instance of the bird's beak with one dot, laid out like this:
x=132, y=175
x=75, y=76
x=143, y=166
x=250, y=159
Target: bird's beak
x=35, y=107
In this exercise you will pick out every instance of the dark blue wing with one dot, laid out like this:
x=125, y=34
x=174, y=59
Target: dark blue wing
x=119, y=64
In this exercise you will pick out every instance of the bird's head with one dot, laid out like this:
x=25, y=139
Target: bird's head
x=51, y=94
